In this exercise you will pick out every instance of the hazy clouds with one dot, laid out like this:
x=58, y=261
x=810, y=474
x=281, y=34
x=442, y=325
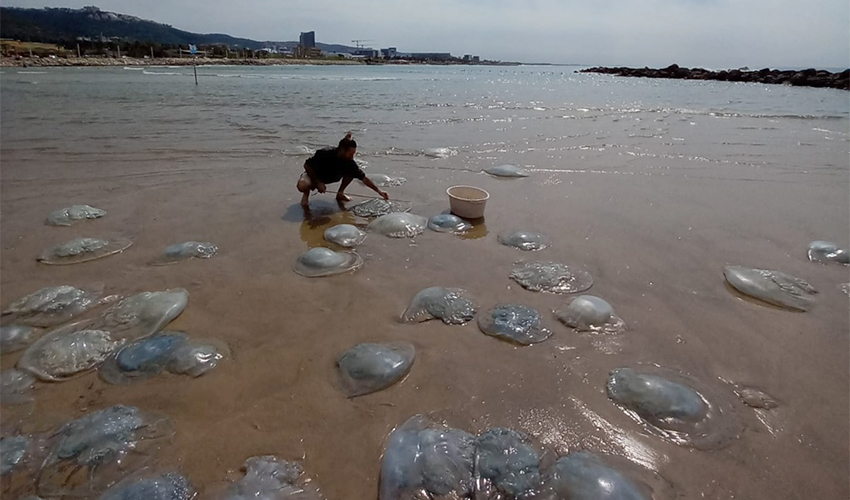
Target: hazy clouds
x=707, y=33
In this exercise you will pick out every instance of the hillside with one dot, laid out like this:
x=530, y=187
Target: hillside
x=63, y=25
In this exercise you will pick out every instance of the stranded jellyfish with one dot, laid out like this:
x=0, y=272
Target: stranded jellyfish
x=506, y=171
x=513, y=323
x=16, y=337
x=506, y=465
x=67, y=351
x=524, y=240
x=584, y=476
x=51, y=306
x=377, y=207
x=345, y=235
x=588, y=313
x=185, y=251
x=551, y=277
x=83, y=250
x=367, y=368
x=320, y=261
x=398, y=225
x=773, y=287
x=384, y=180
x=448, y=223
x=451, y=305
x=826, y=251
x=272, y=478
x=168, y=486
x=69, y=215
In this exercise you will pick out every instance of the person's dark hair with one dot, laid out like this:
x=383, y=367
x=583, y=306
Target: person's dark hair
x=347, y=142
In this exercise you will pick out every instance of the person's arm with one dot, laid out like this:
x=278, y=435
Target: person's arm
x=371, y=185
x=319, y=185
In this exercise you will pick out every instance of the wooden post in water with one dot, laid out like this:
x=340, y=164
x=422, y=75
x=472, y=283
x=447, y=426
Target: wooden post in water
x=119, y=51
x=151, y=51
x=195, y=69
x=78, y=50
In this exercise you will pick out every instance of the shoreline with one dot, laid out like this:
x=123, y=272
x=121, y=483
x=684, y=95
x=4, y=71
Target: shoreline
x=44, y=62
x=803, y=78
x=25, y=62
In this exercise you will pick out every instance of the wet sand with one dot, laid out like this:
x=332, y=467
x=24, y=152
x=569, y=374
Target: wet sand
x=655, y=233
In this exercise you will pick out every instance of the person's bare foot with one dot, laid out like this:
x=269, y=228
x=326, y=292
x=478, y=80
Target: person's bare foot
x=305, y=200
x=342, y=197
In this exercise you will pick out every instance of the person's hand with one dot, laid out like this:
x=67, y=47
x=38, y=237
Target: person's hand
x=320, y=187
x=384, y=195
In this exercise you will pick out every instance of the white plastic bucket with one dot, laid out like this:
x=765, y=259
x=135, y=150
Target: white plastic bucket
x=467, y=201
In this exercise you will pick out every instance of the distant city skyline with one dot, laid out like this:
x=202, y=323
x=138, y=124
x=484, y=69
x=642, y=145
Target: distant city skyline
x=706, y=33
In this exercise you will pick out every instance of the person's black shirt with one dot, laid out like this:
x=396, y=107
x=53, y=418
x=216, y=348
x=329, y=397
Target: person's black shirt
x=329, y=167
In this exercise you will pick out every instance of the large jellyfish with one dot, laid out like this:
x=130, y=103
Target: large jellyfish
x=83, y=250
x=67, y=351
x=551, y=277
x=271, y=478
x=451, y=305
x=426, y=460
x=448, y=223
x=13, y=452
x=367, y=368
x=16, y=337
x=168, y=486
x=377, y=207
x=185, y=251
x=672, y=407
x=141, y=359
x=345, y=235
x=196, y=357
x=584, y=476
x=384, y=180
x=826, y=251
x=588, y=313
x=514, y=323
x=773, y=287
x=320, y=261
x=524, y=240
x=506, y=465
x=51, y=306
x=93, y=451
x=506, y=171
x=69, y=215
x=143, y=314
x=399, y=225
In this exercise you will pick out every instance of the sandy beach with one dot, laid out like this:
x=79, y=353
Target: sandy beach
x=653, y=225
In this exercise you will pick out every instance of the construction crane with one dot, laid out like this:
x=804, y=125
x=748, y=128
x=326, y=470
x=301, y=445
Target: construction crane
x=359, y=43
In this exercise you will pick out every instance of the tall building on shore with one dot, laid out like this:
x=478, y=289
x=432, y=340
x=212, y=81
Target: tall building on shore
x=307, y=39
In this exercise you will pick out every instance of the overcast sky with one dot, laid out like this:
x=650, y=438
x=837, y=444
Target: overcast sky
x=708, y=33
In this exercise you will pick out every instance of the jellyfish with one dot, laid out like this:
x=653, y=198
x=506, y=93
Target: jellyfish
x=168, y=486
x=367, y=368
x=13, y=451
x=588, y=313
x=15, y=386
x=551, y=277
x=672, y=407
x=185, y=251
x=319, y=261
x=67, y=351
x=51, y=306
x=505, y=462
x=451, y=305
x=83, y=250
x=826, y=251
x=506, y=171
x=773, y=287
x=514, y=323
x=15, y=337
x=524, y=240
x=384, y=180
x=398, y=225
x=377, y=207
x=69, y=215
x=584, y=476
x=143, y=314
x=345, y=235
x=425, y=460
x=93, y=451
x=141, y=359
x=196, y=357
x=269, y=477
x=448, y=223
